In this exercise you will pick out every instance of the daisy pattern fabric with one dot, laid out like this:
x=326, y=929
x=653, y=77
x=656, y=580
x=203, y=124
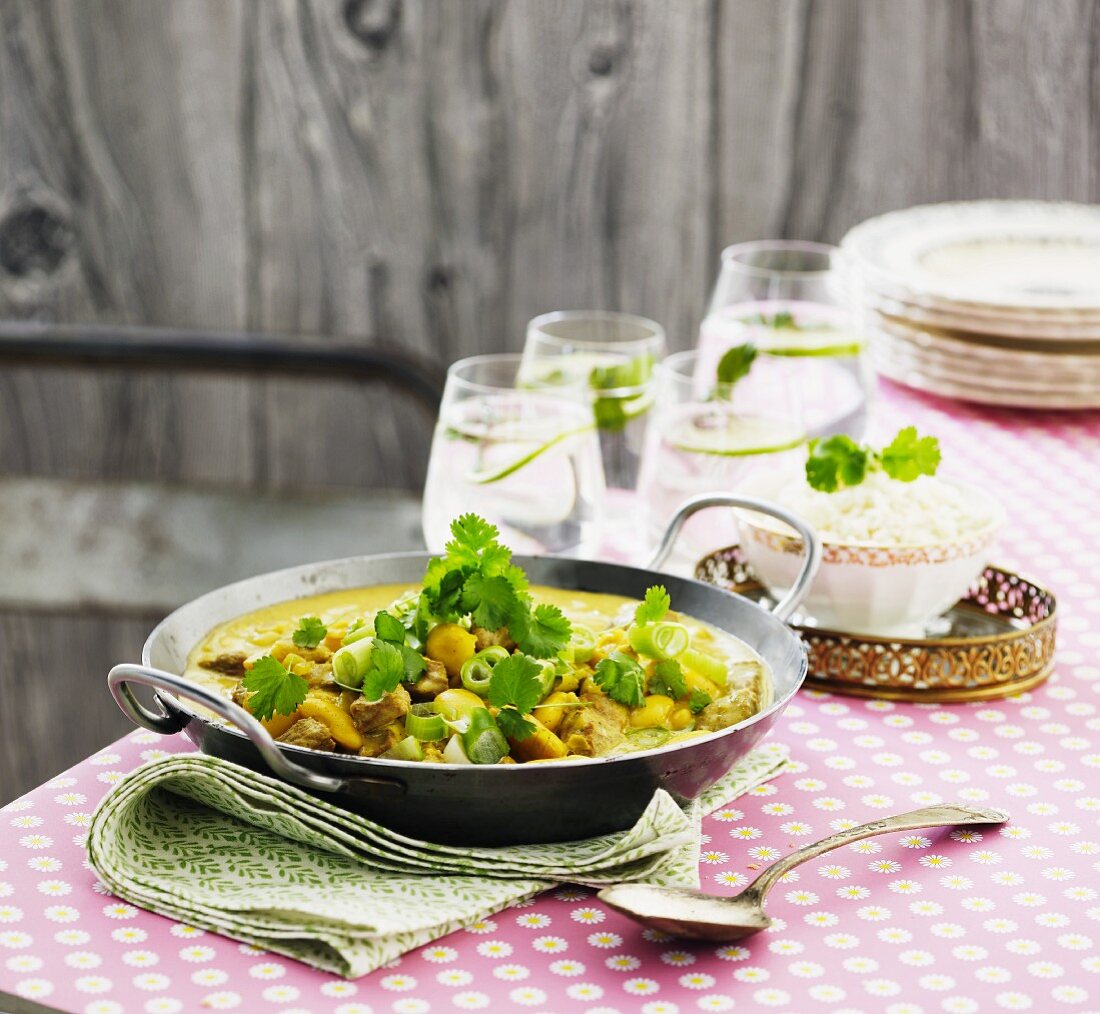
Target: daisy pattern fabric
x=223, y=848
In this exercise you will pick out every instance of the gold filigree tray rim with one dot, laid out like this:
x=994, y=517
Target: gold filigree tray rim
x=1020, y=629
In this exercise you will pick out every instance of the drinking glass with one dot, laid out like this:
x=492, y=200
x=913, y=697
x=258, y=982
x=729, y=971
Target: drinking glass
x=526, y=459
x=707, y=437
x=797, y=301
x=612, y=355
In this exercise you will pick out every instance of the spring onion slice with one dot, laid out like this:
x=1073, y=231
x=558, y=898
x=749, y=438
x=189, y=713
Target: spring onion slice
x=547, y=677
x=357, y=631
x=476, y=675
x=583, y=643
x=648, y=739
x=493, y=654
x=477, y=671
x=661, y=641
x=408, y=750
x=351, y=662
x=483, y=742
x=425, y=724
x=714, y=669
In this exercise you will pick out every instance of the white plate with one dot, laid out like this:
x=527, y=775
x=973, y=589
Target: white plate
x=1019, y=256
x=985, y=375
x=1051, y=331
x=962, y=388
x=974, y=352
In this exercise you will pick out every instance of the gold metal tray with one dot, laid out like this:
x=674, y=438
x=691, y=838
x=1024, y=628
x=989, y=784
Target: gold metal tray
x=997, y=641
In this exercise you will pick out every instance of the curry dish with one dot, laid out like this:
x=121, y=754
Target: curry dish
x=434, y=673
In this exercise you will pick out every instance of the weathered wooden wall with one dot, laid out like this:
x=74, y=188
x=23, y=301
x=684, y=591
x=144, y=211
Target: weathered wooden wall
x=435, y=172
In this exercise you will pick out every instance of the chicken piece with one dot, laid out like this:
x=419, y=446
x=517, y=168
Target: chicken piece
x=735, y=707
x=228, y=664
x=598, y=727
x=370, y=716
x=485, y=638
x=378, y=742
x=308, y=732
x=320, y=676
x=434, y=681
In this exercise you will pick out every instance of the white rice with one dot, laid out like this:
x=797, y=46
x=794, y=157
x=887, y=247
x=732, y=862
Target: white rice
x=885, y=512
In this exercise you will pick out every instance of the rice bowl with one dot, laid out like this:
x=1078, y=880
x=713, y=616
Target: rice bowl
x=895, y=555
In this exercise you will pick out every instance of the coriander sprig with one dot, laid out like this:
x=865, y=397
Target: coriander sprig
x=273, y=689
x=838, y=462
x=310, y=633
x=515, y=689
x=476, y=578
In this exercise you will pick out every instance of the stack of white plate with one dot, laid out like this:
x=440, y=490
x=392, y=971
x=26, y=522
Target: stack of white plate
x=990, y=301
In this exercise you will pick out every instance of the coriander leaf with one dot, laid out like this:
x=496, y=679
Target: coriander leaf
x=424, y=619
x=514, y=725
x=445, y=603
x=273, y=689
x=386, y=670
x=909, y=456
x=437, y=569
x=516, y=683
x=310, y=632
x=851, y=458
x=491, y=600
x=622, y=679
x=654, y=606
x=541, y=632
x=495, y=561
x=413, y=662
x=516, y=576
x=699, y=699
x=821, y=474
x=389, y=628
x=784, y=319
x=668, y=679
x=735, y=364
x=471, y=534
x=834, y=462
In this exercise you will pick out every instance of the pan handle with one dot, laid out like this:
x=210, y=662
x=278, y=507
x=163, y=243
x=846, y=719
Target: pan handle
x=167, y=722
x=811, y=544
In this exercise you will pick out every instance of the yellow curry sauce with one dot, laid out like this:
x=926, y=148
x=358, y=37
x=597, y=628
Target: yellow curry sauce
x=574, y=718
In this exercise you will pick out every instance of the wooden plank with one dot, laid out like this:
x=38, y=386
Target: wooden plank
x=433, y=174
x=832, y=112
x=142, y=548
x=608, y=124
x=53, y=670
x=119, y=123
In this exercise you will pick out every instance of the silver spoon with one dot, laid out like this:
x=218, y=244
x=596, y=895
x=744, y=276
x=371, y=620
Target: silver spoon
x=698, y=916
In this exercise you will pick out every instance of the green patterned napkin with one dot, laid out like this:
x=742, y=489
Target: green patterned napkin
x=239, y=853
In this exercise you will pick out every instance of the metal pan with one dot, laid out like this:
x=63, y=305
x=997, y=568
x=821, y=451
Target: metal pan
x=472, y=804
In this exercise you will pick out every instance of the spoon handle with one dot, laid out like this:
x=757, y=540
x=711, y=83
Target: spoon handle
x=929, y=816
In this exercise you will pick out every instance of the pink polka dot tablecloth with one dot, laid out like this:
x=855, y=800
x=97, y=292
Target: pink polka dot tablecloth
x=959, y=921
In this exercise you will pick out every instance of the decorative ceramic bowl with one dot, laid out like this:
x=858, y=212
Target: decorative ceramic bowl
x=879, y=589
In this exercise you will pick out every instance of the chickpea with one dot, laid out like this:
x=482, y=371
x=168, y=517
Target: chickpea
x=680, y=718
x=452, y=645
x=551, y=717
x=653, y=713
